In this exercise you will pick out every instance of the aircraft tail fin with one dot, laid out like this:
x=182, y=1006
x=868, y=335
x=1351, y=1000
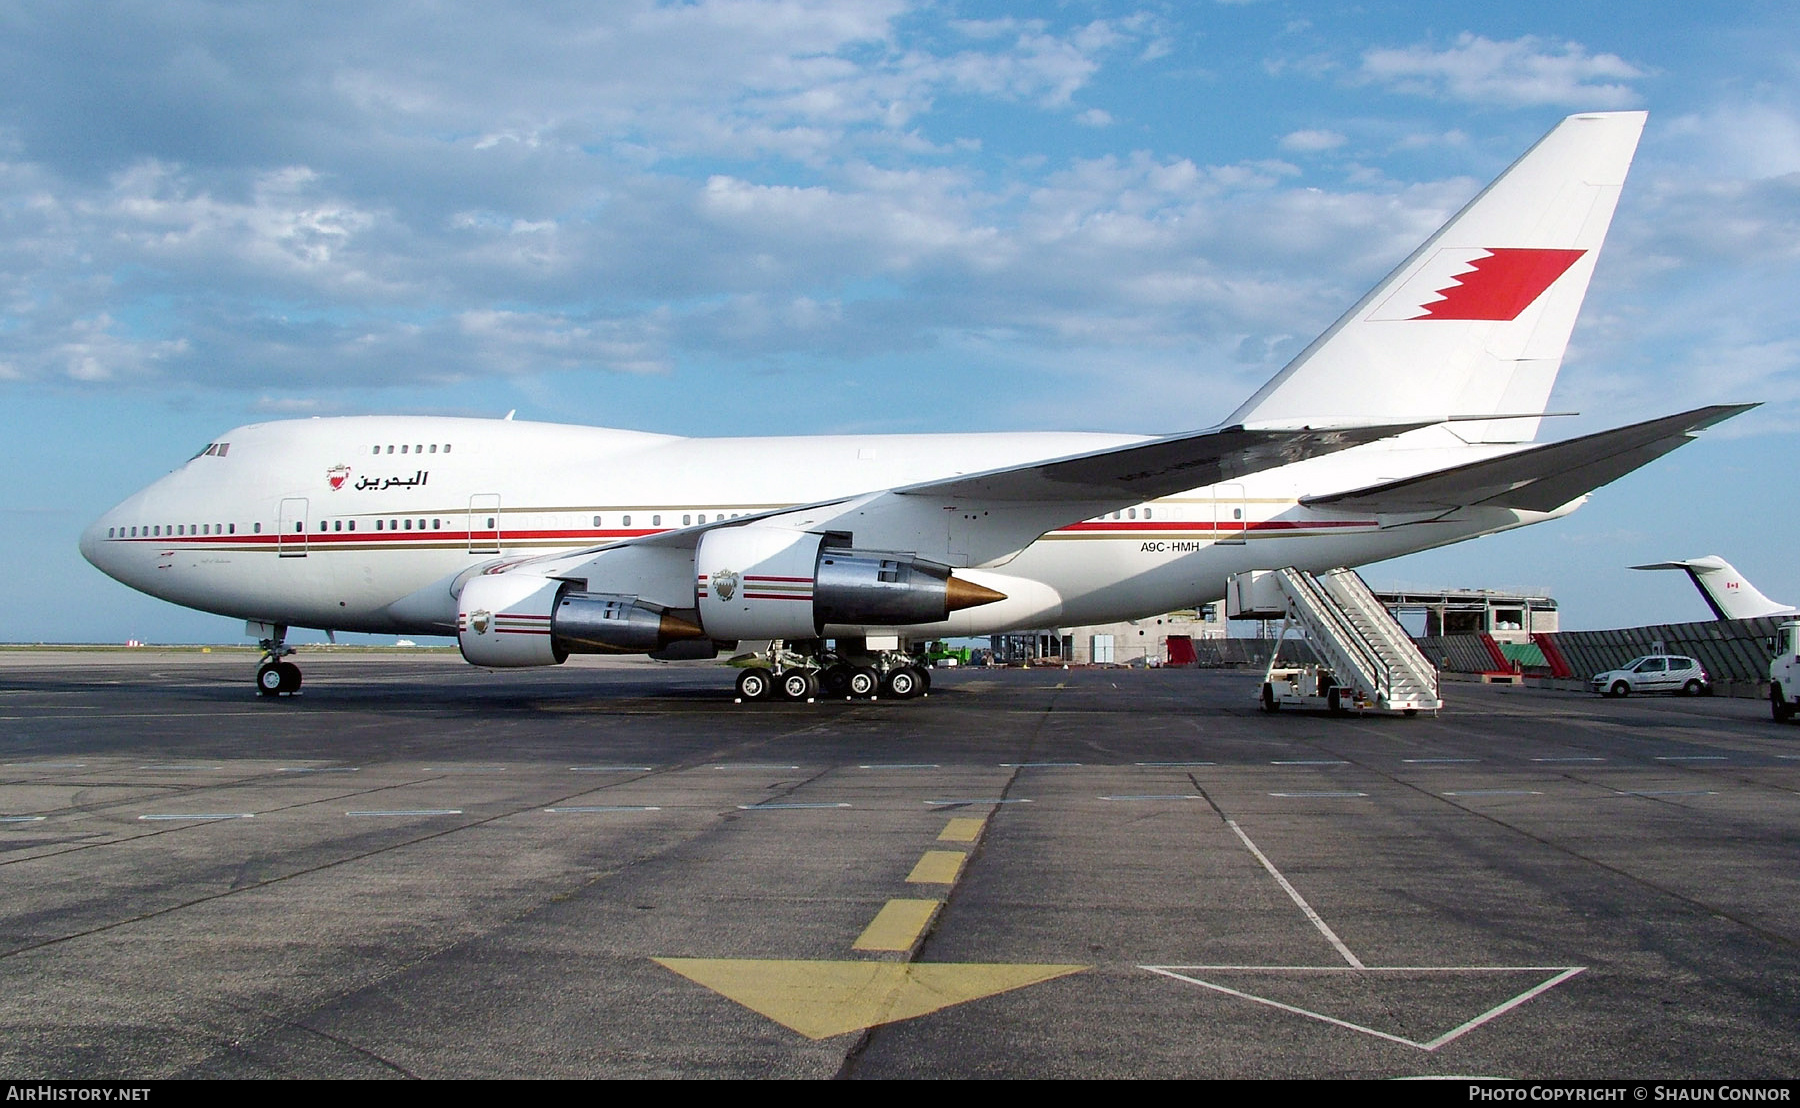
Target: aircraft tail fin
x=1476, y=321
x=1726, y=591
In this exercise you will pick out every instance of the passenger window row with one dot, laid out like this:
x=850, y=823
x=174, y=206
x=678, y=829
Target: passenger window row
x=1128, y=513
x=173, y=530
x=688, y=519
x=183, y=530
x=406, y=448
x=334, y=525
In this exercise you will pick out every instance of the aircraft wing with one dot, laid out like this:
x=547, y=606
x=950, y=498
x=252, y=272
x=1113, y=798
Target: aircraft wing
x=1539, y=478
x=1125, y=475
x=1017, y=504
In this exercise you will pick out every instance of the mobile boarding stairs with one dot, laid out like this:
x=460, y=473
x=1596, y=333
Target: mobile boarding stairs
x=1367, y=660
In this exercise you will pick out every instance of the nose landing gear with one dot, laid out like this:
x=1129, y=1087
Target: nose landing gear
x=276, y=677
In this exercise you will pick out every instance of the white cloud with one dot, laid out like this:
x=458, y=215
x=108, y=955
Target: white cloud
x=1754, y=139
x=285, y=227
x=92, y=351
x=1312, y=142
x=1523, y=71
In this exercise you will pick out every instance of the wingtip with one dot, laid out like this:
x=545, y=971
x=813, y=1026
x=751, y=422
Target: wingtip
x=1715, y=414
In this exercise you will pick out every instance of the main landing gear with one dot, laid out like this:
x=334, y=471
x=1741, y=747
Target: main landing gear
x=276, y=677
x=804, y=671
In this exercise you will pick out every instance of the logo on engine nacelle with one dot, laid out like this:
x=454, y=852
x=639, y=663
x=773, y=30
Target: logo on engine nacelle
x=479, y=622
x=724, y=583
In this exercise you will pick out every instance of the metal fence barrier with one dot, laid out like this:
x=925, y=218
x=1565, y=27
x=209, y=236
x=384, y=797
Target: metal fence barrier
x=1729, y=649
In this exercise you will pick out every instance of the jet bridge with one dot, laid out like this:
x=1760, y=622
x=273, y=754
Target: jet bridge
x=1369, y=661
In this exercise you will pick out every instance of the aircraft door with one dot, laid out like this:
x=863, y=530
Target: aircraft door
x=1231, y=523
x=484, y=523
x=290, y=528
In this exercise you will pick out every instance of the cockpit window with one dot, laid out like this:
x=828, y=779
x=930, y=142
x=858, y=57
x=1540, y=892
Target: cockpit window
x=213, y=449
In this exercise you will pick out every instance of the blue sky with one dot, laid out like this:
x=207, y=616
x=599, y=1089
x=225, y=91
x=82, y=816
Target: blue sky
x=868, y=215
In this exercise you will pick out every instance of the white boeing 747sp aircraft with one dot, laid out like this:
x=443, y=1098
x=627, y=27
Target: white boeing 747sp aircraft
x=1407, y=425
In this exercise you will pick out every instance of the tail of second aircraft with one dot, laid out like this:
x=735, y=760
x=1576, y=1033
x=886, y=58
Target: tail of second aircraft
x=1726, y=591
x=1475, y=322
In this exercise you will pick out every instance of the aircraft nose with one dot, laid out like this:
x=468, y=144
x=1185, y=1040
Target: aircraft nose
x=100, y=553
x=90, y=542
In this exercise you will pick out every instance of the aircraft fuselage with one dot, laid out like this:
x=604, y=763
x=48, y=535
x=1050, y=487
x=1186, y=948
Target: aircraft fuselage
x=369, y=523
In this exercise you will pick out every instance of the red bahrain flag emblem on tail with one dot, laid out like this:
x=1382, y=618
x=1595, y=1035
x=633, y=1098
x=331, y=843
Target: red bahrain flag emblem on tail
x=1472, y=283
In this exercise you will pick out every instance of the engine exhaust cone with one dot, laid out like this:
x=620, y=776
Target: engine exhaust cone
x=960, y=594
x=672, y=627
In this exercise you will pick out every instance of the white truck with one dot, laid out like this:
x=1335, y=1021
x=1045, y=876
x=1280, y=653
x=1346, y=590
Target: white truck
x=1784, y=673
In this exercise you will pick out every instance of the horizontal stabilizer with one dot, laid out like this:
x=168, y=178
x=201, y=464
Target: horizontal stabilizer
x=1142, y=471
x=1539, y=478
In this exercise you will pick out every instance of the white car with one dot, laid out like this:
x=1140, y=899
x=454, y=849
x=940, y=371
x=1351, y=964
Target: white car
x=1672, y=673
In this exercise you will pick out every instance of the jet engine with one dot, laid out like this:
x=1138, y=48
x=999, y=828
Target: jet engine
x=521, y=619
x=771, y=583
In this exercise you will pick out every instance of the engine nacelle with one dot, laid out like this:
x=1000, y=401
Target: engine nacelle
x=771, y=583
x=521, y=619
x=606, y=623
x=503, y=619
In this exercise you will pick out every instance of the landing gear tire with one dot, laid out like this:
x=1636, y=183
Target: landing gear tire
x=276, y=678
x=755, y=683
x=904, y=683
x=924, y=680
x=1269, y=703
x=863, y=682
x=797, y=684
x=836, y=680
x=1620, y=689
x=1779, y=707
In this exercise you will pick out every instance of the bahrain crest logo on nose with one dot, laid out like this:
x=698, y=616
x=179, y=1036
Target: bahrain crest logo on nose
x=336, y=476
